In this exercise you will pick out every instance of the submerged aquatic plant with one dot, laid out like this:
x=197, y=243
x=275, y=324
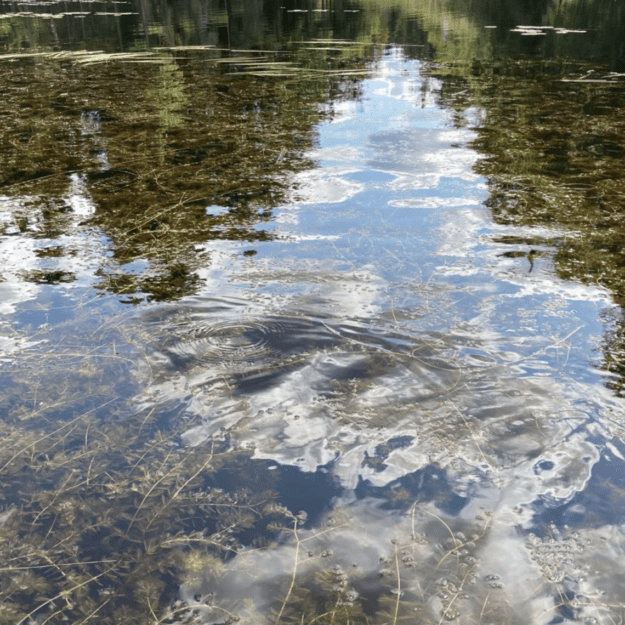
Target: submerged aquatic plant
x=105, y=515
x=106, y=519
x=552, y=138
x=102, y=512
x=141, y=154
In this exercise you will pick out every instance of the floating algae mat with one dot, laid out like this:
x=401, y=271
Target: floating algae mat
x=310, y=316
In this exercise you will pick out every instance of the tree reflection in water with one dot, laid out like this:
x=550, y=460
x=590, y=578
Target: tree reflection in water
x=344, y=391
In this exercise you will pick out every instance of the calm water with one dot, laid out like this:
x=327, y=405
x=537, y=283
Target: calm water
x=312, y=313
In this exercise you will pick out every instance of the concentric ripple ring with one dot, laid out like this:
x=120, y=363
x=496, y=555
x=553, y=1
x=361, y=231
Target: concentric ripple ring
x=249, y=340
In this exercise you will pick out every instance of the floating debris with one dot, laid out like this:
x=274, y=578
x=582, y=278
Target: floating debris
x=342, y=42
x=235, y=60
x=122, y=56
x=189, y=48
x=87, y=57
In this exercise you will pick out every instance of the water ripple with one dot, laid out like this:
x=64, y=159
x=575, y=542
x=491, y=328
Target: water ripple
x=247, y=341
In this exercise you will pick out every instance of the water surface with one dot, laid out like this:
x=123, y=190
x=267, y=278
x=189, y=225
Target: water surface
x=311, y=314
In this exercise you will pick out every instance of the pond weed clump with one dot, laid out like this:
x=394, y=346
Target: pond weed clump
x=169, y=133
x=101, y=520
x=552, y=138
x=103, y=514
x=108, y=517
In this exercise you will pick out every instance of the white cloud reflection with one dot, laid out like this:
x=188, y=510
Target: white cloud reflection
x=78, y=197
x=390, y=347
x=23, y=254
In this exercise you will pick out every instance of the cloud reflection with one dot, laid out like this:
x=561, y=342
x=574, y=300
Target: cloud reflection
x=437, y=383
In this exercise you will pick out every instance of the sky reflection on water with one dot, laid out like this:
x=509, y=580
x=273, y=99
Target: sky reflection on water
x=419, y=390
x=382, y=340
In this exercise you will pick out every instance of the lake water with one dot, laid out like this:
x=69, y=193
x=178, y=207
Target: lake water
x=312, y=313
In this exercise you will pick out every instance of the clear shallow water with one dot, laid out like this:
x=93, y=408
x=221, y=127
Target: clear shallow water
x=383, y=343
x=387, y=408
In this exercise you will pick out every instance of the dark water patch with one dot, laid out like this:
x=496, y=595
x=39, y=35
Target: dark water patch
x=312, y=493
x=428, y=484
x=50, y=277
x=381, y=452
x=307, y=496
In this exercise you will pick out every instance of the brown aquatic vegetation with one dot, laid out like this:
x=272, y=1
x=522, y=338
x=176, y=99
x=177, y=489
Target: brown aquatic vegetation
x=552, y=137
x=104, y=518
x=147, y=148
x=107, y=518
